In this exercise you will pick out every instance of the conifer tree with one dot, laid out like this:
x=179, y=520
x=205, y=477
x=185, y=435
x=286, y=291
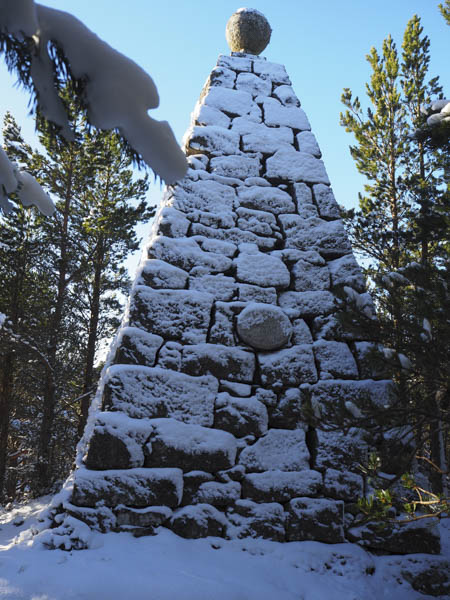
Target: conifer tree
x=401, y=229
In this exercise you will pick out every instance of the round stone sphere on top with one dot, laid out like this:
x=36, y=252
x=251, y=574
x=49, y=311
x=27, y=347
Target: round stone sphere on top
x=248, y=31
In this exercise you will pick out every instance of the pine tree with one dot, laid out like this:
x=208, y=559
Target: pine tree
x=401, y=229
x=79, y=267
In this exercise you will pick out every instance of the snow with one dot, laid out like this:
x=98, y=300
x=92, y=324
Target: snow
x=237, y=102
x=261, y=269
x=254, y=85
x=242, y=167
x=118, y=92
x=277, y=115
x=289, y=164
x=24, y=184
x=165, y=566
x=308, y=143
x=208, y=115
x=270, y=199
x=281, y=449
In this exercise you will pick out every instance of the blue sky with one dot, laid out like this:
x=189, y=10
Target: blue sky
x=322, y=43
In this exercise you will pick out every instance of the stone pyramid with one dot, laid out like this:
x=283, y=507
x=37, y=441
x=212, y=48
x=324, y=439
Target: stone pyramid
x=231, y=348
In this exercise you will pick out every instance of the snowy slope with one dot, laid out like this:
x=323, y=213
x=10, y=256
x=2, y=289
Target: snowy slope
x=167, y=567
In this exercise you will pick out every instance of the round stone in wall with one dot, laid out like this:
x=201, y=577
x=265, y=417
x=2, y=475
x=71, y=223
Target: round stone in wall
x=248, y=31
x=264, y=326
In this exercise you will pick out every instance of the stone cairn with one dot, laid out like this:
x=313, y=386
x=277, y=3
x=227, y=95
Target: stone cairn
x=231, y=347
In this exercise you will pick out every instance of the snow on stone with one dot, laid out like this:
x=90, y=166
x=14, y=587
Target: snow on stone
x=288, y=367
x=307, y=304
x=286, y=95
x=221, y=287
x=277, y=115
x=114, y=101
x=240, y=416
x=261, y=138
x=261, y=269
x=273, y=71
x=206, y=195
x=237, y=364
x=307, y=143
x=260, y=222
x=289, y=164
x=301, y=333
x=327, y=237
x=212, y=139
x=254, y=85
x=270, y=199
x=281, y=486
x=182, y=315
x=190, y=446
x=241, y=167
x=138, y=346
x=172, y=222
x=346, y=271
x=208, y=115
x=308, y=276
x=145, y=392
x=254, y=293
x=139, y=487
x=160, y=274
x=237, y=63
x=221, y=76
x=216, y=246
x=236, y=102
x=186, y=254
x=326, y=201
x=335, y=360
x=281, y=449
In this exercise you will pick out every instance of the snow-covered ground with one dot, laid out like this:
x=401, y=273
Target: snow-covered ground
x=167, y=567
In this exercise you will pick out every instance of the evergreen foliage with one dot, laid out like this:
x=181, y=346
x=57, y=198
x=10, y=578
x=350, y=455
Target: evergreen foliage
x=63, y=283
x=401, y=231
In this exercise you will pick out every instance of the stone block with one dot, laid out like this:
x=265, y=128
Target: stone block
x=270, y=199
x=290, y=165
x=178, y=315
x=236, y=63
x=150, y=517
x=290, y=410
x=204, y=195
x=241, y=167
x=310, y=277
x=326, y=237
x=218, y=494
x=326, y=202
x=186, y=254
x=137, y=347
x=342, y=485
x=257, y=221
x=261, y=269
x=315, y=519
x=307, y=304
x=273, y=71
x=416, y=537
x=261, y=138
x=189, y=447
x=278, y=449
x=141, y=392
x=240, y=416
x=233, y=102
x=219, y=286
x=133, y=487
x=264, y=326
x=255, y=293
x=288, y=367
x=208, y=115
x=170, y=356
x=172, y=223
x=249, y=519
x=254, y=85
x=212, y=139
x=191, y=483
x=346, y=271
x=235, y=388
x=159, y=274
x=281, y=486
x=307, y=142
x=224, y=362
x=335, y=448
x=335, y=360
x=199, y=521
x=301, y=333
x=277, y=115
x=286, y=95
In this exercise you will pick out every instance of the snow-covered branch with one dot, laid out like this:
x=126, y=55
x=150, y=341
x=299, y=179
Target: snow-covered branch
x=116, y=91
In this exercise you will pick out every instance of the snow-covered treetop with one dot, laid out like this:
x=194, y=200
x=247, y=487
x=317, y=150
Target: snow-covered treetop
x=116, y=91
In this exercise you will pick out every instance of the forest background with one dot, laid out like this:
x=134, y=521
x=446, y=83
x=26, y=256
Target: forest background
x=48, y=367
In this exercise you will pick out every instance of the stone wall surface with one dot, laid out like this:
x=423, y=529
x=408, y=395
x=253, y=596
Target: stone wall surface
x=232, y=349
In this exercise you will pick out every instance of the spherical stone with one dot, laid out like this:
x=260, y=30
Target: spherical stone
x=264, y=326
x=248, y=31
